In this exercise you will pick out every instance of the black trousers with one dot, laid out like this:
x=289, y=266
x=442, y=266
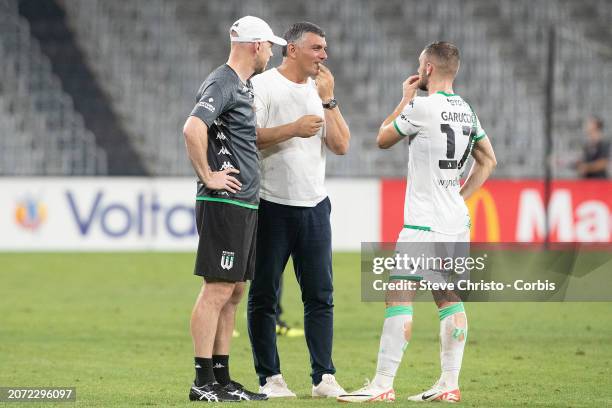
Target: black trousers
x=304, y=233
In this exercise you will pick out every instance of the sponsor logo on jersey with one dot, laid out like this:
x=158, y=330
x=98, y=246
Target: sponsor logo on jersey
x=224, y=151
x=227, y=260
x=226, y=165
x=206, y=105
x=221, y=136
x=219, y=122
x=405, y=119
x=448, y=183
x=455, y=102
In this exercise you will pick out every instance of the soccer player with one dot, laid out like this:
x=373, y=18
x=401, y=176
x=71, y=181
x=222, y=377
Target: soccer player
x=220, y=136
x=298, y=120
x=442, y=130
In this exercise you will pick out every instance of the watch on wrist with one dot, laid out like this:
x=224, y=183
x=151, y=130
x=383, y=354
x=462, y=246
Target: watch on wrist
x=331, y=104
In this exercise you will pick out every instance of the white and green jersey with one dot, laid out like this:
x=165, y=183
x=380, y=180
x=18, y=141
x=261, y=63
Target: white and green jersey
x=442, y=129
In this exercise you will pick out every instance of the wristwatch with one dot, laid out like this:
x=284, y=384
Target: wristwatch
x=331, y=104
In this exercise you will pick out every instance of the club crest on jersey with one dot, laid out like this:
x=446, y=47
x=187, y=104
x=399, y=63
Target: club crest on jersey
x=227, y=260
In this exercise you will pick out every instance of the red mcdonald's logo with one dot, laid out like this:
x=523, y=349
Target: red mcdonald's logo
x=491, y=217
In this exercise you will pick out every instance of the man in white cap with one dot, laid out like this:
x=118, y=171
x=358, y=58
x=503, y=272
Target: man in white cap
x=220, y=135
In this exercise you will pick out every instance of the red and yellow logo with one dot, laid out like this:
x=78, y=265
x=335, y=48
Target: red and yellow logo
x=30, y=213
x=483, y=199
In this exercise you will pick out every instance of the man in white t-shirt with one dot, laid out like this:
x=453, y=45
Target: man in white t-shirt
x=298, y=119
x=443, y=132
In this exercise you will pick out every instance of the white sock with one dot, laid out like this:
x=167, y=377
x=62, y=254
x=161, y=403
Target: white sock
x=453, y=334
x=393, y=341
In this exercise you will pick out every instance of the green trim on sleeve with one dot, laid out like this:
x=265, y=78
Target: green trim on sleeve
x=480, y=137
x=398, y=310
x=228, y=201
x=417, y=227
x=398, y=129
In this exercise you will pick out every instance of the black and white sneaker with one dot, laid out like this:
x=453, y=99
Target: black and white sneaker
x=238, y=390
x=213, y=392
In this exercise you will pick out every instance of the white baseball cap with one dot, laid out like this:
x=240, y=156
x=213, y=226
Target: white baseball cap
x=254, y=29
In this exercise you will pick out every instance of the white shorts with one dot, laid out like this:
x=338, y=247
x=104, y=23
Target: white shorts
x=417, y=235
x=425, y=255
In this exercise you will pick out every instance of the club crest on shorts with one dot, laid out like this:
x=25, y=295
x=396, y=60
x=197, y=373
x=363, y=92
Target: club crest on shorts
x=227, y=260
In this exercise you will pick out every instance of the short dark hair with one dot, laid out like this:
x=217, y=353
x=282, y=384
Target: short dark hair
x=297, y=30
x=446, y=55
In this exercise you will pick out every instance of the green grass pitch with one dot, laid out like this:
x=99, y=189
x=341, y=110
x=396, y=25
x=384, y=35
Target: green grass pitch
x=116, y=326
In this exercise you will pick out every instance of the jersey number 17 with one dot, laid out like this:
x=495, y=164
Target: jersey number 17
x=451, y=162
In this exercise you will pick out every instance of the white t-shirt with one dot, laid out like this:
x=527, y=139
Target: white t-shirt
x=443, y=129
x=292, y=172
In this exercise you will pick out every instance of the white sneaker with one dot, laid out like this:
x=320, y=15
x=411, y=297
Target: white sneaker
x=276, y=387
x=437, y=393
x=327, y=388
x=369, y=393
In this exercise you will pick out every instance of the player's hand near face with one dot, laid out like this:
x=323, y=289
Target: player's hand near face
x=308, y=125
x=325, y=83
x=222, y=180
x=337, y=132
x=409, y=87
x=387, y=134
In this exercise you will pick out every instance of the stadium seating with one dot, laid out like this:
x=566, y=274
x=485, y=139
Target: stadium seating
x=148, y=66
x=41, y=132
x=150, y=56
